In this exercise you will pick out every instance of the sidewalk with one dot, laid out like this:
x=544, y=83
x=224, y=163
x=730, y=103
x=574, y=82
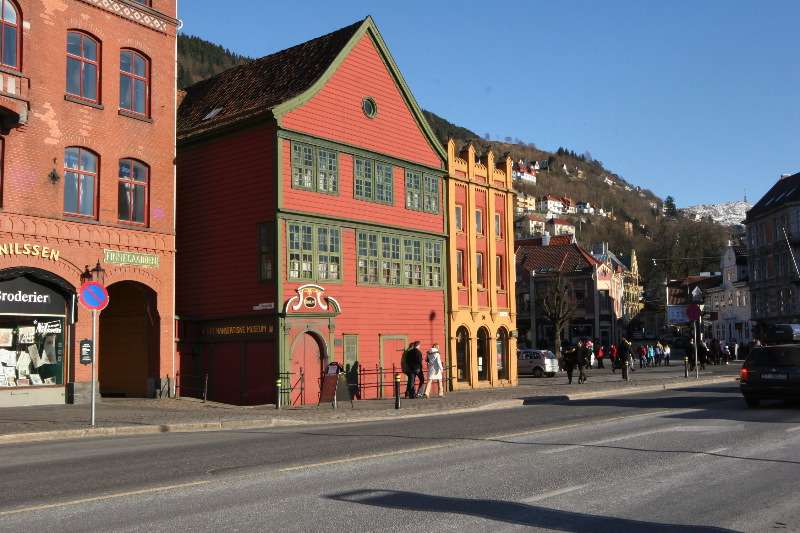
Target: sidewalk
x=117, y=416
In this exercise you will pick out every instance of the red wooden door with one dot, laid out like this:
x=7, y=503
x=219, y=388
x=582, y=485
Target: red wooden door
x=392, y=349
x=306, y=358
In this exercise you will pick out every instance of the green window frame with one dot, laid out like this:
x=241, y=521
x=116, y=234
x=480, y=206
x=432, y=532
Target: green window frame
x=315, y=168
x=422, y=192
x=373, y=181
x=399, y=260
x=433, y=264
x=430, y=198
x=390, y=260
x=413, y=190
x=350, y=348
x=314, y=252
x=329, y=252
x=266, y=250
x=412, y=262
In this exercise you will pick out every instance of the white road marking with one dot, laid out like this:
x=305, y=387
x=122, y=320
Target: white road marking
x=641, y=434
x=715, y=450
x=553, y=493
x=792, y=430
x=102, y=498
x=364, y=457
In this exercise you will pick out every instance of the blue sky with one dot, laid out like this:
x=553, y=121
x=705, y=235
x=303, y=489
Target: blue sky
x=697, y=99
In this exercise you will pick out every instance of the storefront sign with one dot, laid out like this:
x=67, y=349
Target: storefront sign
x=676, y=314
x=118, y=257
x=87, y=351
x=25, y=297
x=232, y=329
x=33, y=250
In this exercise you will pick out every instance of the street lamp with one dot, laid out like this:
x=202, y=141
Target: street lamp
x=98, y=274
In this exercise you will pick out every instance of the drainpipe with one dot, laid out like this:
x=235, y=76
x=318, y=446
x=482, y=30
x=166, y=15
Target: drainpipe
x=174, y=192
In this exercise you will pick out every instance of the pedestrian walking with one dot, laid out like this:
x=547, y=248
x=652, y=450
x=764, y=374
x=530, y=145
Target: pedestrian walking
x=434, y=361
x=351, y=373
x=642, y=356
x=584, y=361
x=413, y=368
x=667, y=353
x=601, y=354
x=570, y=362
x=715, y=352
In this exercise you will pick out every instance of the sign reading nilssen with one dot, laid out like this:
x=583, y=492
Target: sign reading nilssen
x=118, y=257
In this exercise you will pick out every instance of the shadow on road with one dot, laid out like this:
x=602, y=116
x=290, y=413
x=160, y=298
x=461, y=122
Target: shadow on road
x=508, y=512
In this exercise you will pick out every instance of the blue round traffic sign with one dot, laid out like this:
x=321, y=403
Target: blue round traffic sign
x=93, y=296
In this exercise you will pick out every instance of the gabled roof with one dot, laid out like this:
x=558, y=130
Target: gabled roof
x=554, y=258
x=785, y=190
x=282, y=81
x=537, y=240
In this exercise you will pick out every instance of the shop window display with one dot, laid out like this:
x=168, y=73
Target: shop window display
x=31, y=351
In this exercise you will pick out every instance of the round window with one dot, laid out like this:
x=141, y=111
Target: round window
x=369, y=107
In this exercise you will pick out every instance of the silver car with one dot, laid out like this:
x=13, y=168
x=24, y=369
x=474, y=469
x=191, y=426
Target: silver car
x=537, y=362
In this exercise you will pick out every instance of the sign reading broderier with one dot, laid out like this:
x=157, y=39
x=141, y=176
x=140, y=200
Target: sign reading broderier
x=87, y=351
x=25, y=297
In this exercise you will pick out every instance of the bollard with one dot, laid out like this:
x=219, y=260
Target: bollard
x=686, y=367
x=625, y=370
x=278, y=393
x=397, y=391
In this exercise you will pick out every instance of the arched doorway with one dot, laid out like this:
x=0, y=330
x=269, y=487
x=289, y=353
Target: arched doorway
x=502, y=353
x=462, y=354
x=309, y=358
x=128, y=359
x=483, y=354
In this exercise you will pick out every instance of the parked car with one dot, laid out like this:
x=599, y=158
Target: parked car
x=537, y=362
x=783, y=333
x=771, y=373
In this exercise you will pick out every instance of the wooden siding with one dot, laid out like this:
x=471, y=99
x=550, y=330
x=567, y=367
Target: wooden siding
x=335, y=111
x=345, y=205
x=225, y=189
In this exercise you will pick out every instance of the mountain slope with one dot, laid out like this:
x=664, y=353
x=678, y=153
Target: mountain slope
x=727, y=213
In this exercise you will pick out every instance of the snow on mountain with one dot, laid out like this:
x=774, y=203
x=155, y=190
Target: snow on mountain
x=727, y=213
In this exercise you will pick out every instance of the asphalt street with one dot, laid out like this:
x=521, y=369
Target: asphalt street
x=693, y=459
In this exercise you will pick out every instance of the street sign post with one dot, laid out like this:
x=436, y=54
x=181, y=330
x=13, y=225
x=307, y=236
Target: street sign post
x=93, y=296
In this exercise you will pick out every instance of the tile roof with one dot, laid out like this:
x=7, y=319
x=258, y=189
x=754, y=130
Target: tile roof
x=259, y=85
x=563, y=257
x=785, y=190
x=537, y=240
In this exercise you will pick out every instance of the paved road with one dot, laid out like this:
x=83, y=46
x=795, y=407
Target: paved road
x=687, y=460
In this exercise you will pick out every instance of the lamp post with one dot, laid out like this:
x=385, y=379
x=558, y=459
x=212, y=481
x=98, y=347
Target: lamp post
x=97, y=274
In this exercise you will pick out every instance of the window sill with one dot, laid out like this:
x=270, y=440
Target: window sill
x=482, y=288
x=135, y=116
x=129, y=224
x=78, y=100
x=79, y=218
x=501, y=291
x=11, y=71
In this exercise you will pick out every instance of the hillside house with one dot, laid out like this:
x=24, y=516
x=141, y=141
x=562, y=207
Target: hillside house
x=530, y=225
x=560, y=226
x=525, y=203
x=550, y=204
x=525, y=172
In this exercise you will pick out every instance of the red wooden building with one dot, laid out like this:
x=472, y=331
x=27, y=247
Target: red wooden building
x=311, y=220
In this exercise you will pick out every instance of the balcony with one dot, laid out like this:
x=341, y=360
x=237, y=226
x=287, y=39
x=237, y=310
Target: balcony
x=14, y=100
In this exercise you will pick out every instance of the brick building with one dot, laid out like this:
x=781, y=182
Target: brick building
x=481, y=291
x=87, y=117
x=311, y=223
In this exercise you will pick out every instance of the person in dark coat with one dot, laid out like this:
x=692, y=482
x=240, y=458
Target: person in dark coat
x=414, y=362
x=584, y=361
x=570, y=362
x=352, y=381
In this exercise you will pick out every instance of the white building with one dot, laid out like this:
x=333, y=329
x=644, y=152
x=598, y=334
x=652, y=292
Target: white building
x=530, y=225
x=524, y=172
x=729, y=302
x=550, y=204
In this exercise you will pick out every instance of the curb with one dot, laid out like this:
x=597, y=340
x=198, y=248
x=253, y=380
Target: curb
x=273, y=422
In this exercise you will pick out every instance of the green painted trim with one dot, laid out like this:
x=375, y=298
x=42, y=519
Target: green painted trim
x=314, y=169
x=368, y=26
x=374, y=184
x=352, y=150
x=315, y=255
x=287, y=214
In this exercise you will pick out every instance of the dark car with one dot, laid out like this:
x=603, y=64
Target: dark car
x=783, y=333
x=771, y=373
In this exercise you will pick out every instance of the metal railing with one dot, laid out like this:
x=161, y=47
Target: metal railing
x=193, y=385
x=291, y=384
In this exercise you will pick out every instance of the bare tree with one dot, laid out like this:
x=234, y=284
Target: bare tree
x=558, y=307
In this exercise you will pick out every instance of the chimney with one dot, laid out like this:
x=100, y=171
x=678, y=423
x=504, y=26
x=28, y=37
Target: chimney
x=546, y=238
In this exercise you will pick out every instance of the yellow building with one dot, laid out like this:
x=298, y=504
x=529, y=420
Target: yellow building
x=482, y=303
